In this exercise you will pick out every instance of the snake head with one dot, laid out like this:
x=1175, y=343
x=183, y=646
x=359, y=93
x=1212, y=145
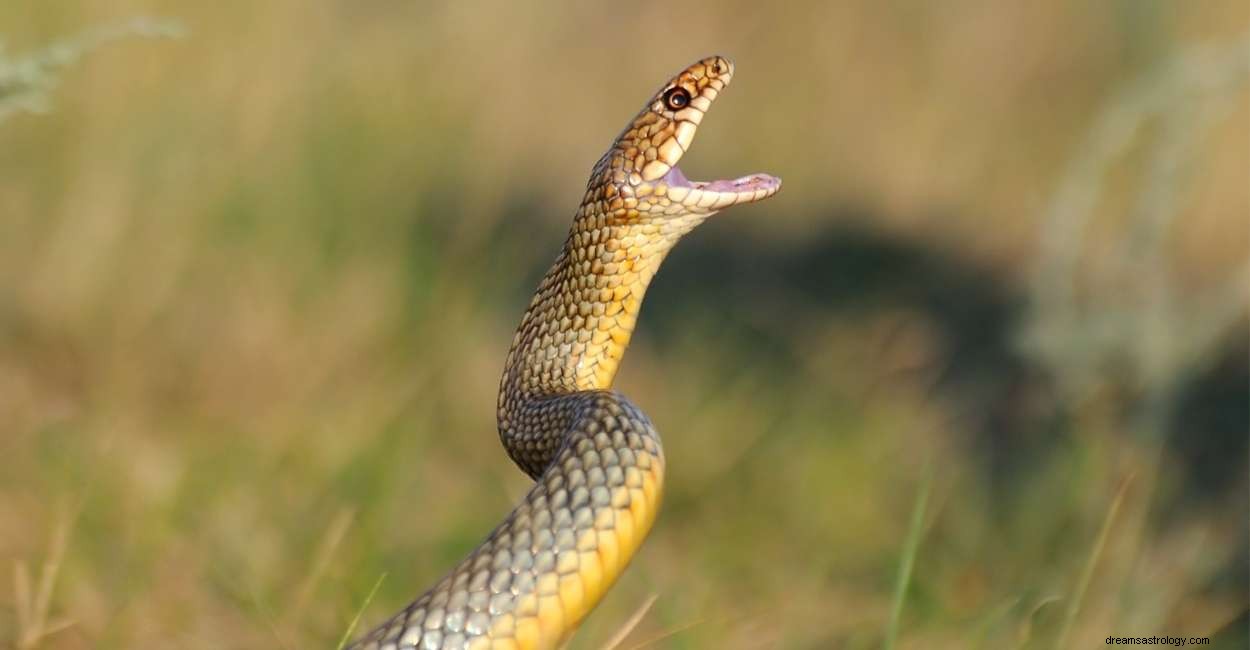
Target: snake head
x=639, y=177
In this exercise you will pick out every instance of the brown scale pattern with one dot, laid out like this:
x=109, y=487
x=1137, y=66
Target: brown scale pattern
x=595, y=457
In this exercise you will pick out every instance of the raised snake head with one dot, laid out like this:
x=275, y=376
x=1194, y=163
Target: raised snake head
x=638, y=204
x=638, y=178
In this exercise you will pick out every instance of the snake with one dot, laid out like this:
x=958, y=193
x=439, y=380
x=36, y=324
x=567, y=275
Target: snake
x=595, y=457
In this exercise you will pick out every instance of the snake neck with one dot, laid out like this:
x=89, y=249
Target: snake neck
x=575, y=331
x=579, y=323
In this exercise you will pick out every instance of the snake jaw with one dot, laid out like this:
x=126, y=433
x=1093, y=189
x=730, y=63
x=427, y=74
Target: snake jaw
x=718, y=194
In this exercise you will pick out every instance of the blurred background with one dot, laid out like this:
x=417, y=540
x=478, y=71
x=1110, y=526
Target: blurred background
x=977, y=377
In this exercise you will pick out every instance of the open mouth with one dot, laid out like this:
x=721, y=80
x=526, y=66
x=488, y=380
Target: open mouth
x=720, y=193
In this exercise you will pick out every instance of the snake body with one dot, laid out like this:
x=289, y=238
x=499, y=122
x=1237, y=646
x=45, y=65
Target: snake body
x=595, y=457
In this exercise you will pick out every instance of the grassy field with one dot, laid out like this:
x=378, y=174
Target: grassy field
x=977, y=377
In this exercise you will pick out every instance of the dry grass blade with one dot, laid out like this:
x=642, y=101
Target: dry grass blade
x=21, y=591
x=631, y=623
x=664, y=635
x=991, y=621
x=33, y=624
x=1074, y=604
x=1025, y=635
x=330, y=542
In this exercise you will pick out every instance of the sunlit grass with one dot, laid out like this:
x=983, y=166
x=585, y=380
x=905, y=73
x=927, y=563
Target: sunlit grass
x=1082, y=585
x=351, y=630
x=28, y=79
x=907, y=560
x=256, y=285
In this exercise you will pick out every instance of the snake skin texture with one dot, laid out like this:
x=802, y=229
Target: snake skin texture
x=595, y=457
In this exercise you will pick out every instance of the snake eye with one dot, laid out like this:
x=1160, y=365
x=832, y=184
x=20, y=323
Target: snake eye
x=676, y=98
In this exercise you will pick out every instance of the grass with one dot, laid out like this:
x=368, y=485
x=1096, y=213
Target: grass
x=911, y=547
x=628, y=626
x=1087, y=574
x=350, y=632
x=257, y=282
x=33, y=604
x=27, y=81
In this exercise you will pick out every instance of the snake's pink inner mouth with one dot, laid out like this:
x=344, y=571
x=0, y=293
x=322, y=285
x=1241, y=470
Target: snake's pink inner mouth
x=748, y=183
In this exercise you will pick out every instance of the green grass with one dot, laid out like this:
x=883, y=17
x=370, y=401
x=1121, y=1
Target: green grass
x=351, y=631
x=911, y=547
x=257, y=283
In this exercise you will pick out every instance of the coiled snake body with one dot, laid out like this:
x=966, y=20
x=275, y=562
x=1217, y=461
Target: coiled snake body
x=595, y=457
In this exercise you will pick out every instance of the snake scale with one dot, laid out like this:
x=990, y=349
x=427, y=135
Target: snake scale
x=595, y=457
